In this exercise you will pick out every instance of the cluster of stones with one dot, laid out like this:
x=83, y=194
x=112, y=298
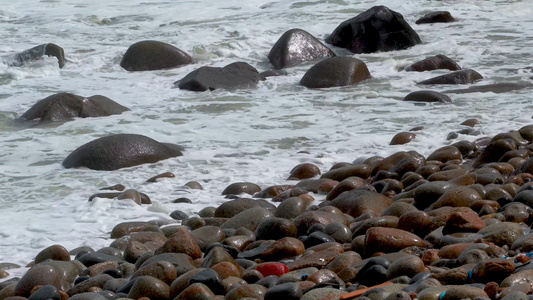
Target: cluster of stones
x=453, y=225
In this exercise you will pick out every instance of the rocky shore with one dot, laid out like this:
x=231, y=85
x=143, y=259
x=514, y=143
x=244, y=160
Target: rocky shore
x=453, y=225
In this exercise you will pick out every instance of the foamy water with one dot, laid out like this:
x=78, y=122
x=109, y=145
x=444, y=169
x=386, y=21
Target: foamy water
x=248, y=135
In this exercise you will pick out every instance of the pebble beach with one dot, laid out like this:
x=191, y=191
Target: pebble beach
x=233, y=175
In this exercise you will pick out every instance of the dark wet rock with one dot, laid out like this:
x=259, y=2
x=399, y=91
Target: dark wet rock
x=351, y=170
x=153, y=55
x=428, y=193
x=335, y=71
x=296, y=46
x=496, y=88
x=54, y=252
x=374, y=271
x=317, y=238
x=36, y=53
x=445, y=154
x=358, y=202
x=377, y=29
x=291, y=208
x=208, y=235
x=434, y=63
x=522, y=277
x=494, y=151
x=461, y=196
x=38, y=275
x=210, y=278
x=65, y=106
x=179, y=215
x=159, y=176
x=464, y=292
x=277, y=192
x=197, y=291
x=360, y=228
x=380, y=239
x=427, y=96
x=182, y=282
x=289, y=291
x=253, y=291
x=150, y=287
x=238, y=188
x=307, y=219
x=348, y=184
x=275, y=229
x=494, y=269
x=239, y=75
x=402, y=138
x=286, y=247
x=339, y=232
x=85, y=286
x=90, y=259
x=248, y=218
x=436, y=17
x=304, y=171
x=162, y=270
x=323, y=294
x=181, y=261
x=181, y=242
x=465, y=76
x=119, y=151
x=46, y=292
x=503, y=233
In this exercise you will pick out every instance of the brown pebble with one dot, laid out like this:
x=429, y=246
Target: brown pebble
x=402, y=138
x=389, y=240
x=54, y=252
x=304, y=171
x=163, y=175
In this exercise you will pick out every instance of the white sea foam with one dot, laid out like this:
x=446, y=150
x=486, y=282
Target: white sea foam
x=248, y=135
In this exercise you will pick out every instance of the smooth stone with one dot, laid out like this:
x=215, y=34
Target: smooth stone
x=197, y=291
x=238, y=188
x=402, y=138
x=334, y=72
x=128, y=150
x=46, y=292
x=434, y=63
x=426, y=194
x=162, y=270
x=150, y=287
x=457, y=197
x=503, y=233
x=226, y=269
x=463, y=220
x=494, y=269
x=289, y=291
x=85, y=286
x=182, y=282
x=466, y=76
x=66, y=106
x=445, y=154
x=304, y=171
x=210, y=278
x=90, y=259
x=38, y=275
x=182, y=262
x=380, y=239
x=247, y=290
x=323, y=294
x=436, y=17
x=377, y=29
x=317, y=259
x=291, y=208
x=153, y=55
x=238, y=75
x=350, y=170
x=286, y=247
x=296, y=46
x=208, y=235
x=463, y=291
x=343, y=261
x=472, y=256
x=179, y=215
x=216, y=255
x=358, y=202
x=249, y=218
x=309, y=218
x=54, y=252
x=427, y=96
x=397, y=209
x=409, y=266
x=88, y=296
x=497, y=88
x=181, y=242
x=494, y=151
x=274, y=229
x=339, y=232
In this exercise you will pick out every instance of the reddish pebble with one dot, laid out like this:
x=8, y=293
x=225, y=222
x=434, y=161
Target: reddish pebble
x=272, y=268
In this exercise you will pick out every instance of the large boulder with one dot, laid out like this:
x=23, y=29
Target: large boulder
x=377, y=29
x=120, y=151
x=153, y=55
x=335, y=71
x=459, y=77
x=296, y=46
x=36, y=53
x=64, y=106
x=237, y=75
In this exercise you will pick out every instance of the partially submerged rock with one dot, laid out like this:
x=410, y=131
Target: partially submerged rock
x=239, y=75
x=466, y=76
x=65, y=106
x=434, y=63
x=436, y=17
x=335, y=71
x=377, y=29
x=153, y=55
x=427, y=96
x=296, y=46
x=120, y=151
x=36, y=53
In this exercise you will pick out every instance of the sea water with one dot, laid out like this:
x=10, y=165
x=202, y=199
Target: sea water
x=256, y=135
